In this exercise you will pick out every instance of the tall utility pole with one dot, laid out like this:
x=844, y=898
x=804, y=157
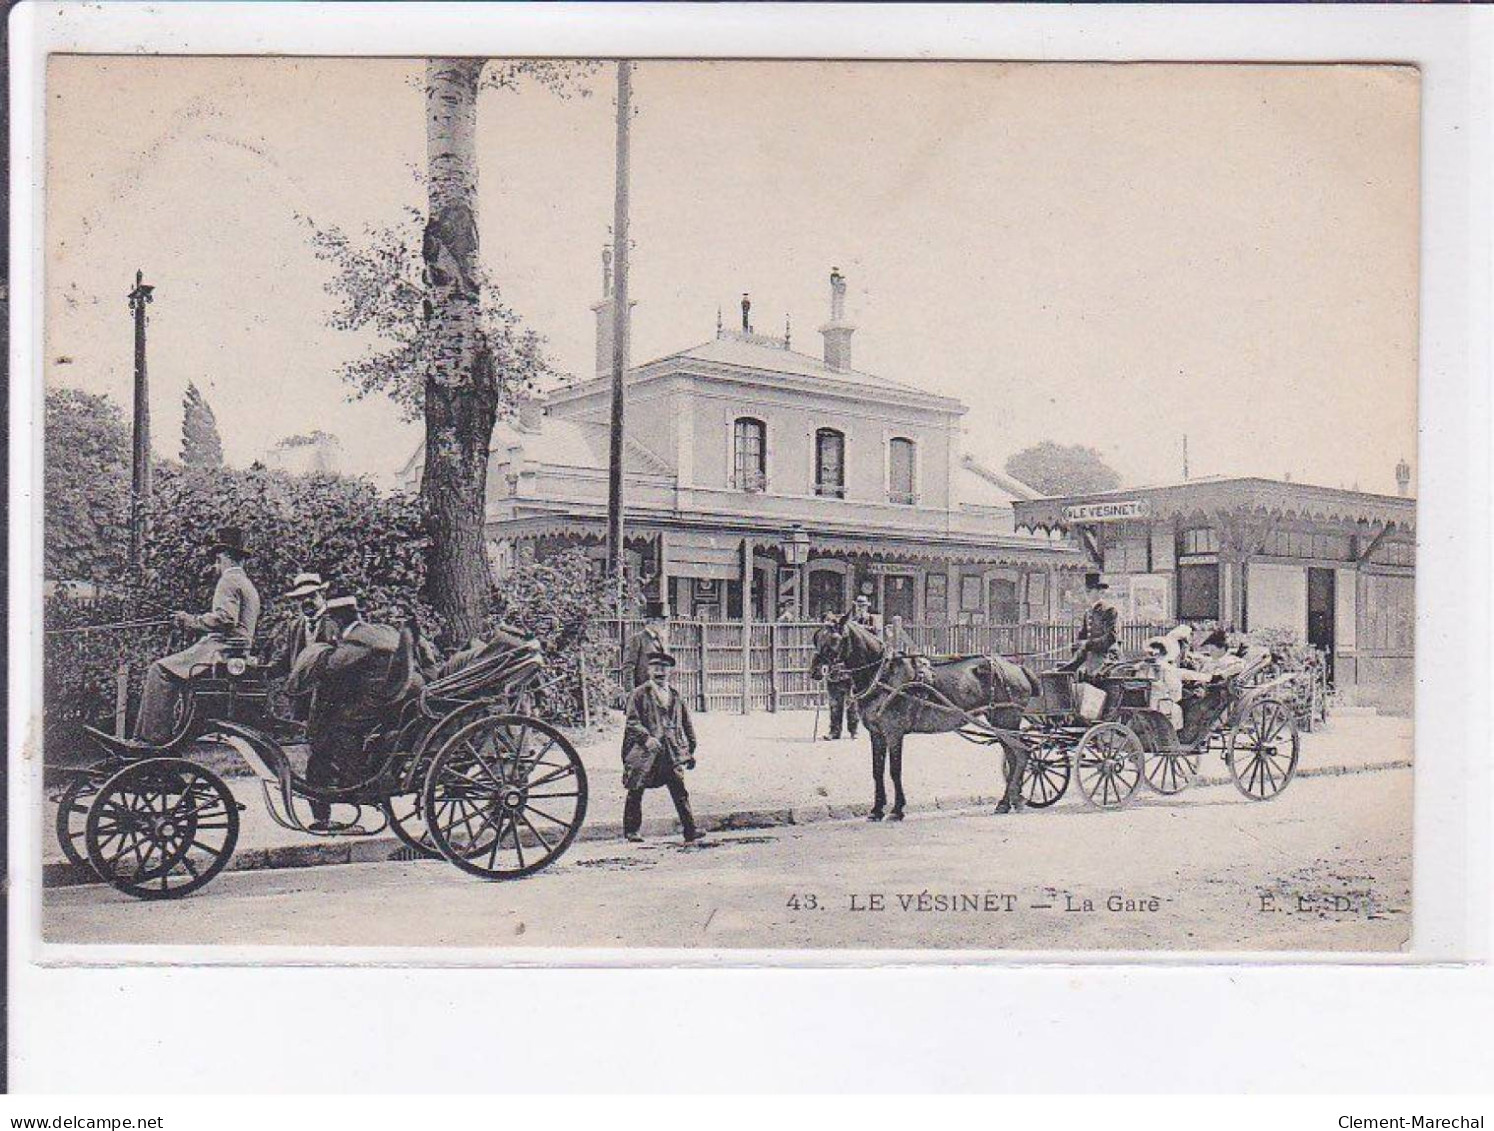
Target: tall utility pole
x=619, y=330
x=140, y=298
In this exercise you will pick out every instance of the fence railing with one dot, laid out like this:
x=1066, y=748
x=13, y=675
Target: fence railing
x=729, y=666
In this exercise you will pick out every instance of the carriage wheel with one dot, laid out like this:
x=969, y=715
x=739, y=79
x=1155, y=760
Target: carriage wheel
x=1107, y=763
x=407, y=820
x=72, y=816
x=1171, y=771
x=505, y=796
x=1047, y=776
x=1263, y=748
x=161, y=828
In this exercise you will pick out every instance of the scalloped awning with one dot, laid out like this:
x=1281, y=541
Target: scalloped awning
x=1206, y=500
x=1009, y=550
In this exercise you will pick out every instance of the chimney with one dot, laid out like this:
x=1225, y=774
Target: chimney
x=837, y=331
x=1403, y=478
x=746, y=314
x=603, y=311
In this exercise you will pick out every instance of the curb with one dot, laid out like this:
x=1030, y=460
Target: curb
x=389, y=849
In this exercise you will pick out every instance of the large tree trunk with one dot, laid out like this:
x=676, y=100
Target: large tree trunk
x=461, y=393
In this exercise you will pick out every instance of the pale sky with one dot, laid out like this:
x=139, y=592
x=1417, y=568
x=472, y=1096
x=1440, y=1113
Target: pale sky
x=1106, y=255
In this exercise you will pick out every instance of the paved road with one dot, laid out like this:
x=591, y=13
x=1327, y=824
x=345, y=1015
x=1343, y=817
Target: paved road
x=1325, y=866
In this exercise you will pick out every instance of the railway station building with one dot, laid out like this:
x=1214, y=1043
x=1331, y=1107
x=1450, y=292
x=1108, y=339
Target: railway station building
x=763, y=483
x=1336, y=568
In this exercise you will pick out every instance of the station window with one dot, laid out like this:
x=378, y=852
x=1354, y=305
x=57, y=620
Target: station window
x=1127, y=556
x=1198, y=592
x=900, y=471
x=935, y=598
x=750, y=452
x=1395, y=553
x=970, y=595
x=830, y=463
x=1199, y=540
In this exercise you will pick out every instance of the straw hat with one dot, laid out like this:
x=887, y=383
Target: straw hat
x=305, y=584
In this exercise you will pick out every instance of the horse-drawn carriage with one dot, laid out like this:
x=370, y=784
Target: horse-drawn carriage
x=459, y=768
x=1057, y=726
x=1112, y=751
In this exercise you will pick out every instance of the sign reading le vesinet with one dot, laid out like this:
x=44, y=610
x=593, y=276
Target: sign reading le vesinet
x=1107, y=512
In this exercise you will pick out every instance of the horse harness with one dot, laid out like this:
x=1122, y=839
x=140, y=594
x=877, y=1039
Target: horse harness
x=976, y=726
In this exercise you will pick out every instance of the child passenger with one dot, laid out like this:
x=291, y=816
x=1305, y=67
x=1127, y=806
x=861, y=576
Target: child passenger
x=1166, y=693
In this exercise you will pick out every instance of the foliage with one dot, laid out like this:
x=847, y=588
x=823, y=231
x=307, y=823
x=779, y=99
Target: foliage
x=79, y=668
x=561, y=77
x=87, y=492
x=201, y=444
x=1291, y=656
x=365, y=544
x=377, y=283
x=1057, y=469
x=563, y=604
x=308, y=439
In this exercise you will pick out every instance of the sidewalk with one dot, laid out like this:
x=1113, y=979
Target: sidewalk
x=762, y=770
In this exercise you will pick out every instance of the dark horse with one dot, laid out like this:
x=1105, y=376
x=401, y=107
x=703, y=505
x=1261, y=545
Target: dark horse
x=894, y=701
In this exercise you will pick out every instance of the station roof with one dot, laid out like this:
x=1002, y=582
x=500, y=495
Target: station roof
x=1212, y=498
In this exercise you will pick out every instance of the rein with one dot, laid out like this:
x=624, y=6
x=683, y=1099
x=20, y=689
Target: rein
x=80, y=629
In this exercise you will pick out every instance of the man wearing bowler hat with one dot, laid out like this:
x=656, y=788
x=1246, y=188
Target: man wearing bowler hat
x=658, y=747
x=653, y=637
x=228, y=629
x=1100, y=631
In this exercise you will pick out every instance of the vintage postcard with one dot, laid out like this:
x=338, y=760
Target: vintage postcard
x=575, y=504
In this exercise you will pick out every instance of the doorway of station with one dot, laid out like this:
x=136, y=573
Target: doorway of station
x=898, y=597
x=1321, y=600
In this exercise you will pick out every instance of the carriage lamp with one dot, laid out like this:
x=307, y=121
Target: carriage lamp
x=237, y=666
x=796, y=546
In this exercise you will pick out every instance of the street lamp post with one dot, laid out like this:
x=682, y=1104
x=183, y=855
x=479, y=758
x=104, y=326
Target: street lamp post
x=795, y=554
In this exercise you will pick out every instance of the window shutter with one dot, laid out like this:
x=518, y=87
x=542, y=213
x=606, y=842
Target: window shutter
x=767, y=454
x=731, y=455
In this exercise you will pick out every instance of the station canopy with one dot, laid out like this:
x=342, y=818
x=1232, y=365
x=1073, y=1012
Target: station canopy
x=1209, y=501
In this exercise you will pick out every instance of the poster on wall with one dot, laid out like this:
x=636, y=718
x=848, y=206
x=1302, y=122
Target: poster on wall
x=1149, y=603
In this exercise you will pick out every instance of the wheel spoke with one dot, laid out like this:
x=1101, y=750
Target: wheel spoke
x=538, y=812
x=566, y=771
x=549, y=848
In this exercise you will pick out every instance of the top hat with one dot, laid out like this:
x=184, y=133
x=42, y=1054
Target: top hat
x=863, y=599
x=662, y=658
x=1094, y=581
x=305, y=584
x=229, y=540
x=656, y=610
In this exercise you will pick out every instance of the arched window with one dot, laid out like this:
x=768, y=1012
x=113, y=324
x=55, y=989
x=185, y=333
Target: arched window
x=900, y=471
x=830, y=463
x=750, y=454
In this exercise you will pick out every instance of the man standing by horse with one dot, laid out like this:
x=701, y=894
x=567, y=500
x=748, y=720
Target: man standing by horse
x=838, y=688
x=985, y=694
